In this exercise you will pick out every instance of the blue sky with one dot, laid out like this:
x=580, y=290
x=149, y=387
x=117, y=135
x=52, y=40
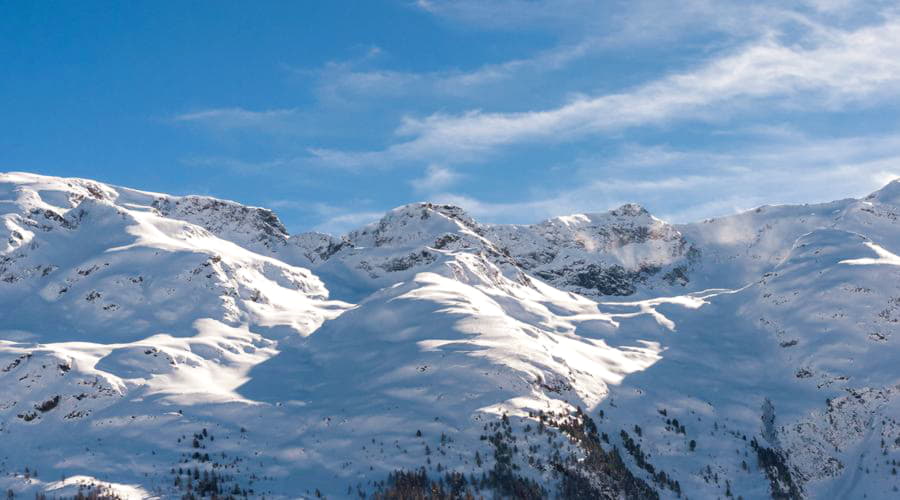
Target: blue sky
x=332, y=112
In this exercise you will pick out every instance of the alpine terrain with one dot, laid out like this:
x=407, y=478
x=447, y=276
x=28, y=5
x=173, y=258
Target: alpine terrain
x=157, y=346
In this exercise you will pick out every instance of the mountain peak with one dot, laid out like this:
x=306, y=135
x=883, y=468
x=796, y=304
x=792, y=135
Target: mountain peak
x=629, y=210
x=252, y=227
x=425, y=209
x=413, y=223
x=889, y=194
x=629, y=213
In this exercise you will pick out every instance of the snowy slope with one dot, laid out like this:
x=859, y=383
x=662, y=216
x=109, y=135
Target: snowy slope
x=798, y=363
x=739, y=248
x=103, y=297
x=146, y=337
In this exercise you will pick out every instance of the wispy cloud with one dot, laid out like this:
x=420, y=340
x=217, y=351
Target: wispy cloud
x=435, y=179
x=841, y=68
x=354, y=80
x=238, y=118
x=680, y=181
x=343, y=223
x=331, y=218
x=244, y=167
x=634, y=21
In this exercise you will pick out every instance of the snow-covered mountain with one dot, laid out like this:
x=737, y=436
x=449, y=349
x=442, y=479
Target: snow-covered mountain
x=162, y=346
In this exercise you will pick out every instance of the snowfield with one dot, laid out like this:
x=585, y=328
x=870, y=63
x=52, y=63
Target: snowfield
x=156, y=346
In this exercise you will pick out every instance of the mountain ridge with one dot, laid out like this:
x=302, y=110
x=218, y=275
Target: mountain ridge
x=591, y=355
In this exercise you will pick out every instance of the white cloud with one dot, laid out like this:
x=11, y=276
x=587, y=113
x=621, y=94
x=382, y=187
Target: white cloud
x=351, y=81
x=710, y=184
x=649, y=21
x=343, y=223
x=237, y=118
x=842, y=68
x=604, y=25
x=572, y=17
x=242, y=167
x=436, y=178
x=333, y=219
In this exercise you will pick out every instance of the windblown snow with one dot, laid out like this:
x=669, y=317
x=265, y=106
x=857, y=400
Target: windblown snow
x=156, y=346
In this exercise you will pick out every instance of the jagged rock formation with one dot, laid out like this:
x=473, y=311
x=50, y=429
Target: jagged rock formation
x=615, y=253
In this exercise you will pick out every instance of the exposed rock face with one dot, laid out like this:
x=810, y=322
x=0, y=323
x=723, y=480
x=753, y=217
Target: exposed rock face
x=615, y=253
x=316, y=248
x=256, y=228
